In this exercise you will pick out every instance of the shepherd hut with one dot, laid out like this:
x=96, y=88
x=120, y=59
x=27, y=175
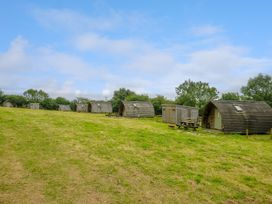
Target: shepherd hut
x=64, y=108
x=244, y=117
x=34, y=106
x=101, y=107
x=83, y=107
x=180, y=115
x=136, y=109
x=7, y=104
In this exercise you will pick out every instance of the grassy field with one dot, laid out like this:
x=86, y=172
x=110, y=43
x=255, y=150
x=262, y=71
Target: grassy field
x=66, y=157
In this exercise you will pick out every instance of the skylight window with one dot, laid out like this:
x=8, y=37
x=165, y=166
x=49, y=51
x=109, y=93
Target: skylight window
x=238, y=108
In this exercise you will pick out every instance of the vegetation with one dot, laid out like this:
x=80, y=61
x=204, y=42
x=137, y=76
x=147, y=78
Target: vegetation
x=35, y=96
x=259, y=88
x=62, y=101
x=157, y=103
x=119, y=96
x=66, y=157
x=2, y=97
x=137, y=97
x=196, y=94
x=16, y=100
x=231, y=96
x=189, y=93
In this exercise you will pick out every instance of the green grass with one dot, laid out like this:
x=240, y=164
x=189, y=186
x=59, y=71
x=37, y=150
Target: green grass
x=66, y=157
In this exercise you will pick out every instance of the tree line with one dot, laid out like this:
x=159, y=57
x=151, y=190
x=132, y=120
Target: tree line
x=189, y=93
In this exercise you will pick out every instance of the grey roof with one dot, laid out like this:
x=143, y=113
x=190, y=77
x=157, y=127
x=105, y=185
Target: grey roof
x=136, y=109
x=237, y=116
x=101, y=107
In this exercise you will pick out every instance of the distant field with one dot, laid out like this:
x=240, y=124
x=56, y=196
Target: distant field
x=67, y=157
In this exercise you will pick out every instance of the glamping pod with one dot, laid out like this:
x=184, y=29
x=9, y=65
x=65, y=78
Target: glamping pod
x=34, y=106
x=180, y=115
x=101, y=107
x=136, y=109
x=7, y=104
x=64, y=108
x=244, y=117
x=83, y=107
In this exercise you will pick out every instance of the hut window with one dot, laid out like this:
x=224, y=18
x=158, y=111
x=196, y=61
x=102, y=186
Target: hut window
x=238, y=108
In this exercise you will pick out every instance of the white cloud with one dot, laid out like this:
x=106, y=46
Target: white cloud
x=206, y=30
x=94, y=42
x=15, y=57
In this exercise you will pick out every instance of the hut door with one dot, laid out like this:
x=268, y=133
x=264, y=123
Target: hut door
x=217, y=120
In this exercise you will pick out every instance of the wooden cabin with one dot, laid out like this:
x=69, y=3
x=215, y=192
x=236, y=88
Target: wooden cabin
x=7, y=104
x=83, y=107
x=252, y=117
x=101, y=107
x=180, y=115
x=136, y=109
x=64, y=108
x=34, y=106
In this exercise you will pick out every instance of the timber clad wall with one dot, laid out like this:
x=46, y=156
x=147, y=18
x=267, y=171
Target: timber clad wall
x=238, y=116
x=176, y=114
x=136, y=109
x=83, y=107
x=7, y=104
x=64, y=108
x=34, y=106
x=101, y=107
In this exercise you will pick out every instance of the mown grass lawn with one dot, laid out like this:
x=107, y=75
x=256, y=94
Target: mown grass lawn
x=67, y=157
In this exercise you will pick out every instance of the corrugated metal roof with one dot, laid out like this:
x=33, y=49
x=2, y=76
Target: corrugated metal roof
x=237, y=116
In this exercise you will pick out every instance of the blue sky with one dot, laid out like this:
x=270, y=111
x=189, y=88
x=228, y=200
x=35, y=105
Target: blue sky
x=91, y=48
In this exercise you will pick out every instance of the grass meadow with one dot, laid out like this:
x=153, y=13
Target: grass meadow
x=68, y=157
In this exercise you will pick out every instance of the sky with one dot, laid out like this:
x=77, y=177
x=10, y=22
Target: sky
x=90, y=48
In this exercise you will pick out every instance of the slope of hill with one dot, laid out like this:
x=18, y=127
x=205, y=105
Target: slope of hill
x=67, y=157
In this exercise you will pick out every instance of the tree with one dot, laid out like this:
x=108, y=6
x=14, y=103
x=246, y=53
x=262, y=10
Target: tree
x=16, y=100
x=196, y=94
x=62, y=101
x=157, y=103
x=2, y=96
x=78, y=100
x=137, y=97
x=259, y=88
x=118, y=96
x=35, y=96
x=49, y=104
x=231, y=96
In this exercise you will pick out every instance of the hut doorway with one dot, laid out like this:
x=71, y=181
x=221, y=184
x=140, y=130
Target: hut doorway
x=217, y=120
x=121, y=109
x=214, y=119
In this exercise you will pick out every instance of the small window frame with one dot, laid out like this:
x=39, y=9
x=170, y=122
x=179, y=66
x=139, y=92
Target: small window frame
x=238, y=108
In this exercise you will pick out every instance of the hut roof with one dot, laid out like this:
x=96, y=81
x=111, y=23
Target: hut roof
x=178, y=106
x=101, y=106
x=137, y=109
x=237, y=116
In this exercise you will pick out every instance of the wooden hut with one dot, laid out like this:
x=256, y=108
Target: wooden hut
x=180, y=115
x=136, y=109
x=34, y=106
x=83, y=107
x=64, y=108
x=238, y=116
x=101, y=107
x=7, y=104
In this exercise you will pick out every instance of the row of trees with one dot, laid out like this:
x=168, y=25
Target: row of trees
x=190, y=93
